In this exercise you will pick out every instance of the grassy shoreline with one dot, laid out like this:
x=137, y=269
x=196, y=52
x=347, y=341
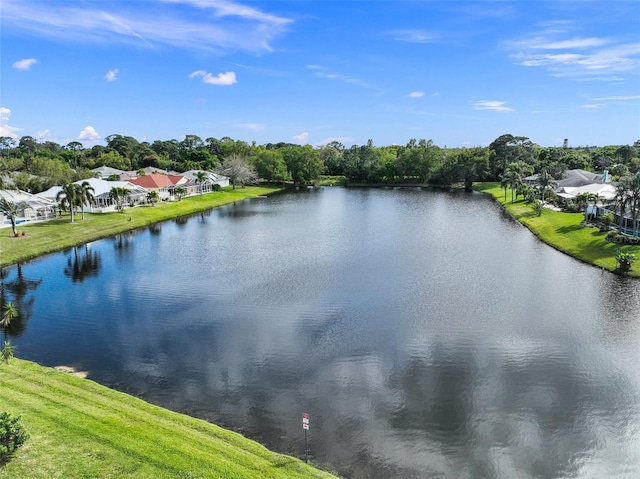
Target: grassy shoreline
x=79, y=428
x=564, y=232
x=59, y=234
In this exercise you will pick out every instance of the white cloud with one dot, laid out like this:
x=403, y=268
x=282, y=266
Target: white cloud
x=338, y=139
x=322, y=73
x=577, y=56
x=112, y=75
x=44, y=135
x=412, y=36
x=619, y=98
x=593, y=106
x=222, y=79
x=25, y=64
x=250, y=126
x=436, y=93
x=416, y=94
x=149, y=24
x=541, y=43
x=302, y=138
x=492, y=105
x=89, y=133
x=5, y=129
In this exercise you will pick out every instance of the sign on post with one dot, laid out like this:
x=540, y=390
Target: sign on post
x=305, y=426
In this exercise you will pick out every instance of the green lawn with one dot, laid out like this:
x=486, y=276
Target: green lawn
x=79, y=429
x=59, y=234
x=564, y=232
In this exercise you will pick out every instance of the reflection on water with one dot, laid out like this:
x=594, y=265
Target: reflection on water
x=16, y=288
x=426, y=335
x=84, y=263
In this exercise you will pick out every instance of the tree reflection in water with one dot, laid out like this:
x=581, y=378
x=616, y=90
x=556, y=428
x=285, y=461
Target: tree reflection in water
x=85, y=263
x=16, y=289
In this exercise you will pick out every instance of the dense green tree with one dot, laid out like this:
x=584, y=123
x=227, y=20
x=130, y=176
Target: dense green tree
x=472, y=165
x=303, y=163
x=545, y=181
x=270, y=165
x=508, y=149
x=332, y=157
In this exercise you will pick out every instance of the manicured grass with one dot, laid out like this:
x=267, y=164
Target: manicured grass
x=564, y=232
x=79, y=429
x=59, y=234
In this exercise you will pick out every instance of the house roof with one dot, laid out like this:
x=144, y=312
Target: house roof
x=34, y=201
x=580, y=178
x=575, y=178
x=605, y=191
x=213, y=177
x=106, y=171
x=100, y=188
x=157, y=180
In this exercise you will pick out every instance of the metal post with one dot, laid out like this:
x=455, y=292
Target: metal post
x=306, y=447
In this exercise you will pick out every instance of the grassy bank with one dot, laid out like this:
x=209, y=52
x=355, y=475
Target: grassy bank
x=564, y=232
x=81, y=429
x=55, y=235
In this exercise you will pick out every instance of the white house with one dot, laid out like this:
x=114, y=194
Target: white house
x=38, y=209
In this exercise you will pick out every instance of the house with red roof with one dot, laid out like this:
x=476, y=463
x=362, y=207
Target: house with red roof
x=163, y=184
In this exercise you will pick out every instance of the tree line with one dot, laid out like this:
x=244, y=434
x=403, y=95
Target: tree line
x=36, y=166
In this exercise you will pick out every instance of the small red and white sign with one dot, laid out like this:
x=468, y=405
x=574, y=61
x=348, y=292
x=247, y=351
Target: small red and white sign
x=305, y=420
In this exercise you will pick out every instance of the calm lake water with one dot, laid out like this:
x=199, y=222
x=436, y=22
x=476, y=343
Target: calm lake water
x=426, y=334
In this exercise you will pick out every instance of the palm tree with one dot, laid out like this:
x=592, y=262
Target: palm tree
x=621, y=199
x=179, y=191
x=12, y=209
x=201, y=177
x=84, y=194
x=153, y=197
x=9, y=313
x=119, y=195
x=68, y=197
x=545, y=181
x=510, y=179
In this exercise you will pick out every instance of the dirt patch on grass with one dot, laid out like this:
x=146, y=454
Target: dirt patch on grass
x=72, y=370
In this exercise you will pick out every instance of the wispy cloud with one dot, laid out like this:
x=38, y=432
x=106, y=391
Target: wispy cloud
x=5, y=128
x=25, y=64
x=322, y=72
x=221, y=79
x=223, y=8
x=416, y=94
x=619, y=98
x=226, y=26
x=592, y=57
x=250, y=126
x=112, y=75
x=592, y=106
x=492, y=105
x=412, y=36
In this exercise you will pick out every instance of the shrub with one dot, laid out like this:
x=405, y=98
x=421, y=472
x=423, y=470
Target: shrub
x=625, y=260
x=12, y=435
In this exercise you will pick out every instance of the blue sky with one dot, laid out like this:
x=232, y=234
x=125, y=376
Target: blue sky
x=459, y=73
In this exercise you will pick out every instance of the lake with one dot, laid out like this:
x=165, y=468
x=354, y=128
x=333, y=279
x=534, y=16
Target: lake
x=427, y=334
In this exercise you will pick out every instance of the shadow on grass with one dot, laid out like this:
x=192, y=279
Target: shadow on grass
x=569, y=229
